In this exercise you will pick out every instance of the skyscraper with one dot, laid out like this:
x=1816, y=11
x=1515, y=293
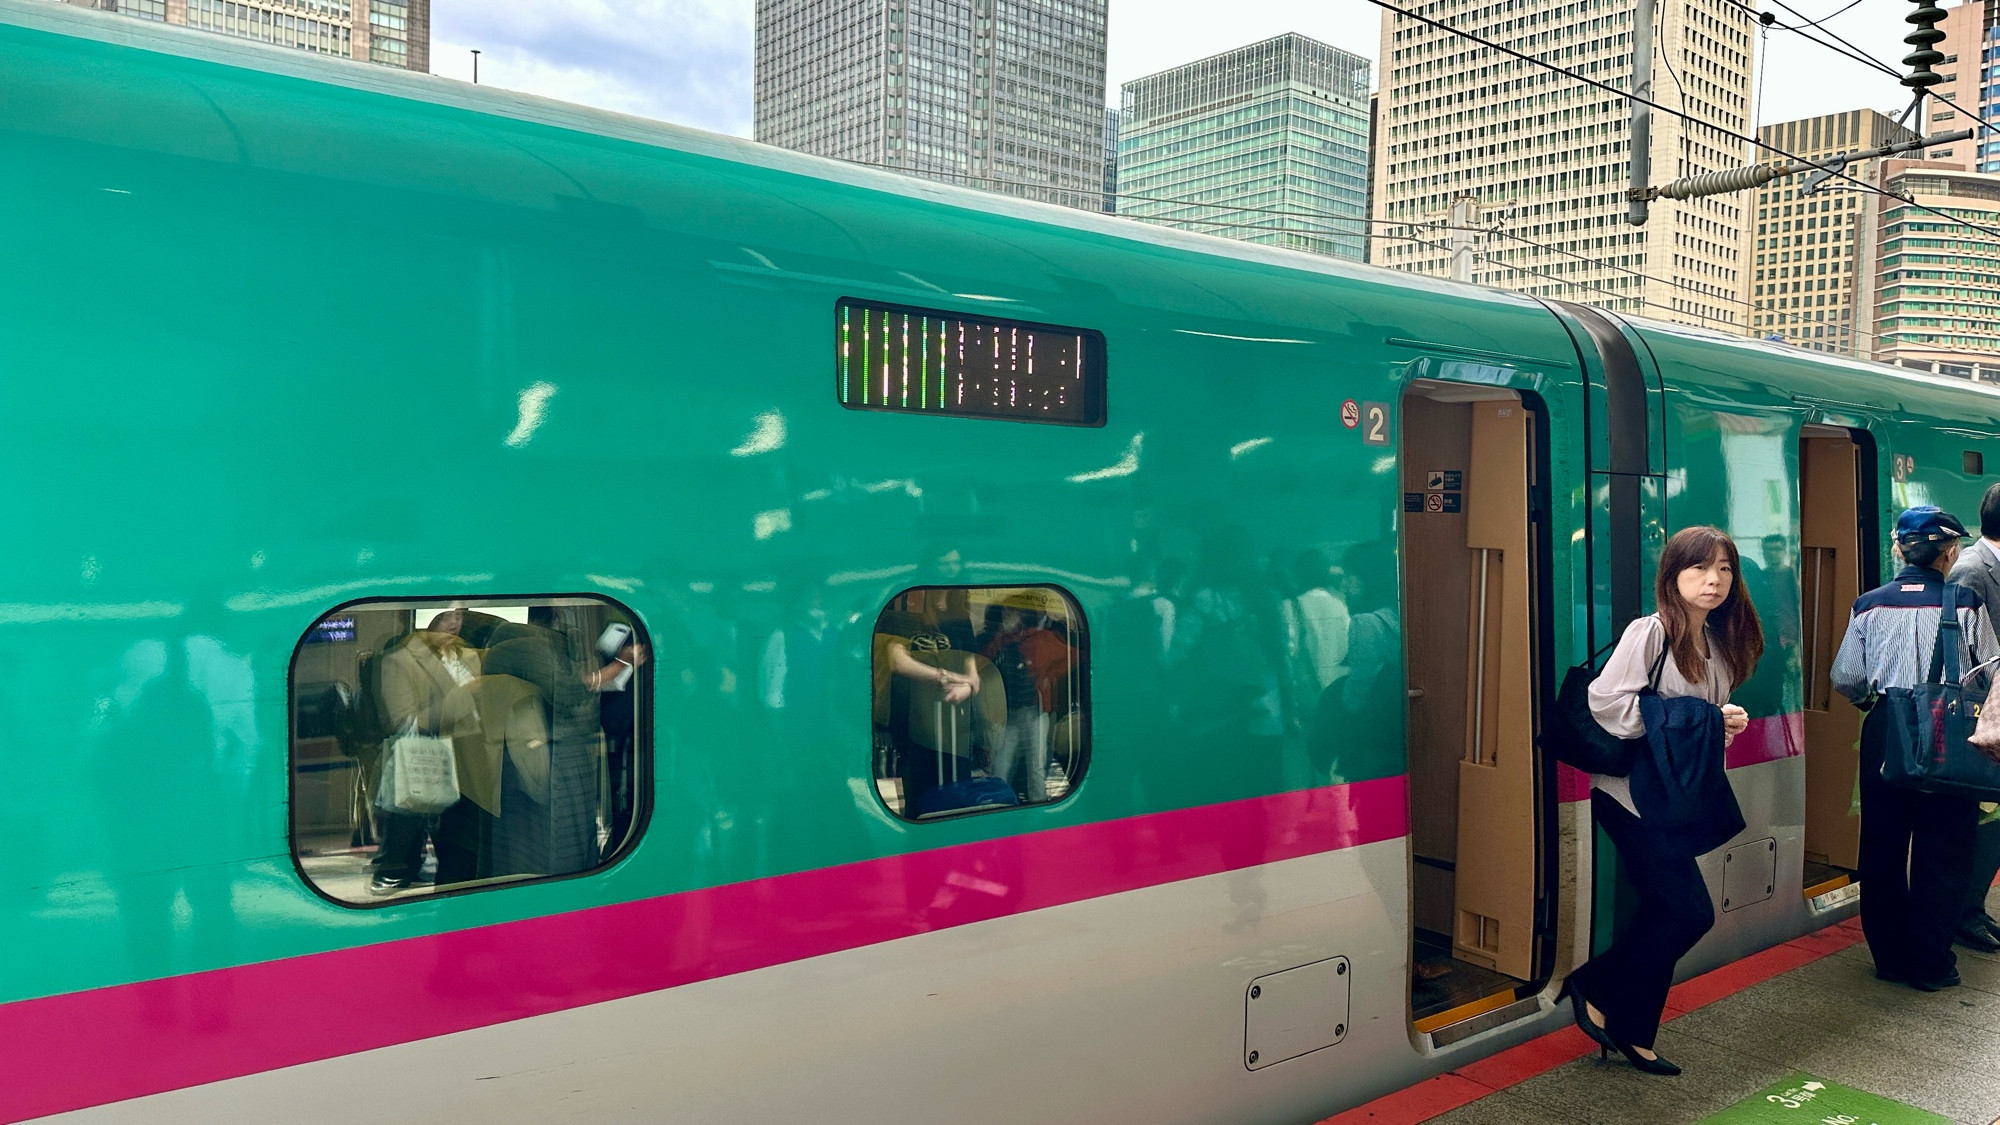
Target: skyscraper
x=1267, y=143
x=1807, y=249
x=1934, y=305
x=1545, y=158
x=1006, y=95
x=390, y=32
x=1110, y=161
x=1971, y=41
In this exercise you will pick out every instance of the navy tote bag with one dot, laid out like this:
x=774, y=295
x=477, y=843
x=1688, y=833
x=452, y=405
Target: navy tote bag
x=1928, y=747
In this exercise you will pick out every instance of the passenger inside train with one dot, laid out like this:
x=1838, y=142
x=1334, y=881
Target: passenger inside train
x=448, y=747
x=977, y=717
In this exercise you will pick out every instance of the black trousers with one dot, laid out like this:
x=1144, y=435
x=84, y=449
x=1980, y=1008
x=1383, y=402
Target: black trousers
x=1629, y=981
x=1916, y=859
x=462, y=836
x=401, y=854
x=1985, y=868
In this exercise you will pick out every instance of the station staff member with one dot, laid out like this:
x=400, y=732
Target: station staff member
x=1916, y=848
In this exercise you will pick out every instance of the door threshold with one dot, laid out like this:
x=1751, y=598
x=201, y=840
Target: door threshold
x=1506, y=1013
x=1464, y=1012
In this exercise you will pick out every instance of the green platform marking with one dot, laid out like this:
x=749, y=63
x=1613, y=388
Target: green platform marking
x=1804, y=1100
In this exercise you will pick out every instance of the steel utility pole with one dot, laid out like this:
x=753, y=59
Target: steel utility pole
x=475, y=66
x=1642, y=114
x=1460, y=242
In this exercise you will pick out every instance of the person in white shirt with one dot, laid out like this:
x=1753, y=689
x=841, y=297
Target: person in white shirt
x=1704, y=640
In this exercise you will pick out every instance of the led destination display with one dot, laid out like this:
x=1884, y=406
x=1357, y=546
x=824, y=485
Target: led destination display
x=919, y=361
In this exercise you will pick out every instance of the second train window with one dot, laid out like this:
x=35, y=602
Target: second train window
x=979, y=699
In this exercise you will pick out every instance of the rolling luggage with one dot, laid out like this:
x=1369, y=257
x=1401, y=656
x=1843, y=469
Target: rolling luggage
x=951, y=727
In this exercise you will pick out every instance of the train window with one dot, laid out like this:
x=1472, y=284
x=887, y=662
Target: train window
x=439, y=745
x=926, y=361
x=980, y=699
x=1975, y=463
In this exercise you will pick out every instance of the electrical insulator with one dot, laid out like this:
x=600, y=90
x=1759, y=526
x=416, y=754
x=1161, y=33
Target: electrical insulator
x=1715, y=183
x=1924, y=39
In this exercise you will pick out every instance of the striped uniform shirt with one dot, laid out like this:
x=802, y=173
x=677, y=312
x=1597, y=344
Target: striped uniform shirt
x=1893, y=630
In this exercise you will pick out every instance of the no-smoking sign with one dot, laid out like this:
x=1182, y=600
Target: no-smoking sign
x=1350, y=414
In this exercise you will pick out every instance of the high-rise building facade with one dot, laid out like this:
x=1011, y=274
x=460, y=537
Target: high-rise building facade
x=1545, y=160
x=1935, y=304
x=1807, y=250
x=1006, y=95
x=1267, y=143
x=1971, y=44
x=1110, y=161
x=390, y=32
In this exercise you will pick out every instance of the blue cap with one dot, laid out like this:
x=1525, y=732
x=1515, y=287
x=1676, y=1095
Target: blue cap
x=1928, y=523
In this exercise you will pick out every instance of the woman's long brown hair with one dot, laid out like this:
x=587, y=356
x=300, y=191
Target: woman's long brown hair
x=1738, y=637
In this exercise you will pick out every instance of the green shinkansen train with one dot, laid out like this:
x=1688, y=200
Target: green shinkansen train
x=523, y=613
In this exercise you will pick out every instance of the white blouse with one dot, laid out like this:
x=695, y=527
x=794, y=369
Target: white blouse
x=1614, y=695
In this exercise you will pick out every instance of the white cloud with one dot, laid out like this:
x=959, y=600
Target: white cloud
x=685, y=61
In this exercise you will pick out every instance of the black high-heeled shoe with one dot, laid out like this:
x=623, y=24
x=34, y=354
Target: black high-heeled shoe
x=1584, y=1023
x=1640, y=1063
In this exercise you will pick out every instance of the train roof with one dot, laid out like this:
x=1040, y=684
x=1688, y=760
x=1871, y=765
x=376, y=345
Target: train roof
x=196, y=44
x=1880, y=386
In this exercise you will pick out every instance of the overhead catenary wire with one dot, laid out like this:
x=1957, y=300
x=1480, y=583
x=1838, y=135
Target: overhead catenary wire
x=1717, y=129
x=1848, y=50
x=1842, y=10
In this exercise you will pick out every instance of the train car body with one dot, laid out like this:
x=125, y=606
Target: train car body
x=280, y=336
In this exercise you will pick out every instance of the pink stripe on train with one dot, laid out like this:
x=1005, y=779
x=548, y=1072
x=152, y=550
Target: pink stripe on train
x=89, y=1048
x=1765, y=740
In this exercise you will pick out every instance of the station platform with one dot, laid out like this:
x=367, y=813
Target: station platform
x=1802, y=1033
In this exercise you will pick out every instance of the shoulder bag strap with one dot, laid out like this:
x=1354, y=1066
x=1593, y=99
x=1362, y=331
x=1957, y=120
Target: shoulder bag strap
x=1944, y=655
x=1659, y=664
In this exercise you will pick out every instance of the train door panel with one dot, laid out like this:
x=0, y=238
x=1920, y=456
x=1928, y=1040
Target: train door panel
x=1471, y=576
x=1832, y=519
x=1436, y=435
x=1496, y=794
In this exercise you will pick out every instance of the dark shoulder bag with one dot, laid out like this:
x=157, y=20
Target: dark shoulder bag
x=1929, y=746
x=1573, y=733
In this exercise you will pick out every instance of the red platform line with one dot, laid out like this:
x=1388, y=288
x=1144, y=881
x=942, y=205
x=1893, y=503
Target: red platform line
x=1437, y=1096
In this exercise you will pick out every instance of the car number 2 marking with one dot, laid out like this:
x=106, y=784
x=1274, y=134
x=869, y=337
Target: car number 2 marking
x=1374, y=423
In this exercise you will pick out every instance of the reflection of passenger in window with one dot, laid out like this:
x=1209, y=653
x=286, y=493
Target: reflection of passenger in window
x=528, y=709
x=1227, y=640
x=1316, y=625
x=419, y=678
x=1366, y=702
x=549, y=793
x=926, y=638
x=1034, y=664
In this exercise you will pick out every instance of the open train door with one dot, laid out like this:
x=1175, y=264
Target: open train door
x=1837, y=554
x=1474, y=465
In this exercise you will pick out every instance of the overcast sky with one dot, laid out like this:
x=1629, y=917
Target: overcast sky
x=689, y=61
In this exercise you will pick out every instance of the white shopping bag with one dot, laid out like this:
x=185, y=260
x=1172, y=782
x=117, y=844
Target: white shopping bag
x=419, y=774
